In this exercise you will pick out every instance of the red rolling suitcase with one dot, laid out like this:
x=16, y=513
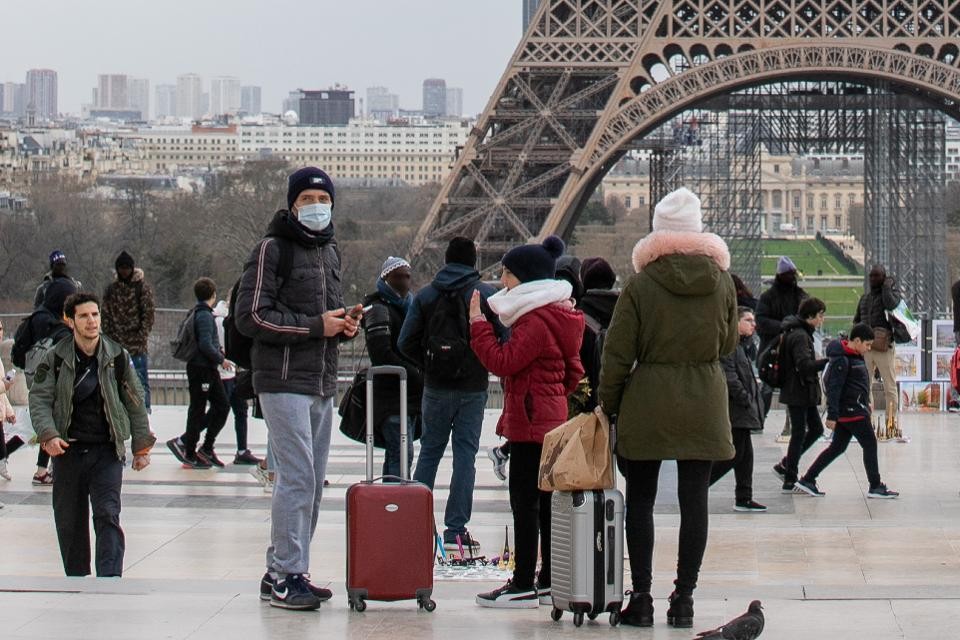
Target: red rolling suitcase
x=390, y=527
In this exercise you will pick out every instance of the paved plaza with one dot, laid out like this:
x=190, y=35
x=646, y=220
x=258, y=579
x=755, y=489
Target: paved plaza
x=835, y=567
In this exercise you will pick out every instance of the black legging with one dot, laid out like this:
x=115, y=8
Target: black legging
x=531, y=515
x=805, y=428
x=862, y=430
x=692, y=489
x=7, y=447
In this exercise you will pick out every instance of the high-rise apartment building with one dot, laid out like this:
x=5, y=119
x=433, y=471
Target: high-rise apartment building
x=138, y=91
x=292, y=102
x=454, y=102
x=250, y=100
x=166, y=100
x=224, y=95
x=41, y=93
x=381, y=104
x=12, y=103
x=326, y=107
x=529, y=10
x=190, y=96
x=434, y=97
x=112, y=92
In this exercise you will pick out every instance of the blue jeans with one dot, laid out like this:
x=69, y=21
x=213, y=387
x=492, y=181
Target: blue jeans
x=455, y=415
x=141, y=364
x=391, y=436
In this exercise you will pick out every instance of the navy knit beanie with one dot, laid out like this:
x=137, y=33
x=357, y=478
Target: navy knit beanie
x=461, y=250
x=308, y=178
x=535, y=261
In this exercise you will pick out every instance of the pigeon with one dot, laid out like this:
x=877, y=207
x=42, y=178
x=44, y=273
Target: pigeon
x=746, y=627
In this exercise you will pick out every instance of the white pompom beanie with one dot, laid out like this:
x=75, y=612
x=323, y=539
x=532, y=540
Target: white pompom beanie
x=678, y=211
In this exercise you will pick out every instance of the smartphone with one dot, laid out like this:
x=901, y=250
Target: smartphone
x=10, y=375
x=364, y=310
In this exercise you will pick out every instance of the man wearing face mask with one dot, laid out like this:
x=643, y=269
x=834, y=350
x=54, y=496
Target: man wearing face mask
x=782, y=299
x=296, y=322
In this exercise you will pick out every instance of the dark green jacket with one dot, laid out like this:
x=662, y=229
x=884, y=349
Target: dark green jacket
x=661, y=373
x=51, y=398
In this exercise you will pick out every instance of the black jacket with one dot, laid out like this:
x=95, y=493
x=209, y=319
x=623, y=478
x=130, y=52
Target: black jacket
x=874, y=304
x=413, y=336
x=381, y=327
x=209, y=353
x=847, y=384
x=776, y=303
x=597, y=304
x=955, y=294
x=745, y=402
x=801, y=383
x=290, y=353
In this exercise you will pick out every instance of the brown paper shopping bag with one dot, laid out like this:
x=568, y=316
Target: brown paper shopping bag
x=576, y=455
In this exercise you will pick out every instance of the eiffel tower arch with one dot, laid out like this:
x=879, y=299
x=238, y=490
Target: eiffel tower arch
x=590, y=76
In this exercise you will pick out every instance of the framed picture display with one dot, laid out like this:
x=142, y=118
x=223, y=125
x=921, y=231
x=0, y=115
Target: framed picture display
x=944, y=345
x=907, y=364
x=922, y=396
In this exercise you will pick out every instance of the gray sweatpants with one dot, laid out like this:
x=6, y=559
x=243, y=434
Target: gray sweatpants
x=298, y=430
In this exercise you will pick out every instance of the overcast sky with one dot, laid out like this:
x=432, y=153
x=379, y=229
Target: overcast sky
x=278, y=44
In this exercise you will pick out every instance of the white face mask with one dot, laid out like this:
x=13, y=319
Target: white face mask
x=315, y=217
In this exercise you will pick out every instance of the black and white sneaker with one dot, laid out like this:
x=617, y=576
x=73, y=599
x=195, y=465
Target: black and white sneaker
x=749, y=507
x=267, y=582
x=780, y=472
x=499, y=463
x=177, y=449
x=788, y=487
x=509, y=597
x=207, y=456
x=293, y=592
x=467, y=541
x=880, y=491
x=809, y=487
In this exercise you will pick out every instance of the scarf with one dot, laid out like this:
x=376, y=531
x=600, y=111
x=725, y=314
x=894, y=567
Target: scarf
x=391, y=297
x=511, y=304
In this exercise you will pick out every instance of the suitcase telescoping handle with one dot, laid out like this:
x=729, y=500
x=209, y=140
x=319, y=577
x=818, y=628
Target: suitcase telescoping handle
x=400, y=372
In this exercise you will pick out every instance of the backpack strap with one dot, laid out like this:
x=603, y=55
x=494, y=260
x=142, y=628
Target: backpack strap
x=285, y=262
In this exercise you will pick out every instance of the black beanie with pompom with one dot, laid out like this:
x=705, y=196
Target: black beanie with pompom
x=535, y=261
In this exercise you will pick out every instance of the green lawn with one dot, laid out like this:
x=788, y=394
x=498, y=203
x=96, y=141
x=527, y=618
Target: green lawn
x=811, y=257
x=841, y=305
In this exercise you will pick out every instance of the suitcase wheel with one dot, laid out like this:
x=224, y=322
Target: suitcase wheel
x=427, y=604
x=556, y=614
x=577, y=619
x=614, y=618
x=592, y=616
x=359, y=605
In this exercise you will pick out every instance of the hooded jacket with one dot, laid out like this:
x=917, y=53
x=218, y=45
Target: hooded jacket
x=128, y=312
x=801, y=386
x=874, y=304
x=539, y=364
x=290, y=353
x=746, y=403
x=414, y=334
x=676, y=317
x=597, y=306
x=847, y=384
x=775, y=305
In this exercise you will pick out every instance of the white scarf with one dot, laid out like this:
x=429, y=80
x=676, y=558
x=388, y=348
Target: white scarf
x=511, y=304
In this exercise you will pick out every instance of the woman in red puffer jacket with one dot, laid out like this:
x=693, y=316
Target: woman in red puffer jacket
x=540, y=366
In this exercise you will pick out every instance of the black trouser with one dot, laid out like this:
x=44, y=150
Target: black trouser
x=531, y=515
x=7, y=448
x=85, y=476
x=239, y=407
x=805, y=428
x=862, y=430
x=742, y=465
x=766, y=393
x=205, y=386
x=692, y=489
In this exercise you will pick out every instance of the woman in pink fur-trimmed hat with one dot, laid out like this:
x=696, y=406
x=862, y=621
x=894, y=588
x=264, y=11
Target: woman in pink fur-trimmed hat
x=661, y=377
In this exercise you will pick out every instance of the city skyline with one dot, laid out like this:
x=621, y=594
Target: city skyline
x=474, y=55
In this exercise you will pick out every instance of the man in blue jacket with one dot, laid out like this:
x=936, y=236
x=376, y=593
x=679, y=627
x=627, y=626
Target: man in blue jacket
x=436, y=336
x=205, y=385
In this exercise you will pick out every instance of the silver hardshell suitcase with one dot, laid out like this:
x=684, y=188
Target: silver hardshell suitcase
x=586, y=554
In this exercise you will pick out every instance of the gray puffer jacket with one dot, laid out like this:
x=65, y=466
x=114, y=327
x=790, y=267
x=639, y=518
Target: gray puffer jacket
x=284, y=318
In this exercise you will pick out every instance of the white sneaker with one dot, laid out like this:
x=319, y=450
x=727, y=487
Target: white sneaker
x=259, y=474
x=509, y=597
x=4, y=473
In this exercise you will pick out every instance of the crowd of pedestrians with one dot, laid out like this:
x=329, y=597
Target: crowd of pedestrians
x=672, y=357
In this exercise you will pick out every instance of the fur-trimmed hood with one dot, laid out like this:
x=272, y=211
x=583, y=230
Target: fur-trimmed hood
x=665, y=243
x=136, y=277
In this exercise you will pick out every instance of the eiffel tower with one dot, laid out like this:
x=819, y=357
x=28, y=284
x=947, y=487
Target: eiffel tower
x=591, y=76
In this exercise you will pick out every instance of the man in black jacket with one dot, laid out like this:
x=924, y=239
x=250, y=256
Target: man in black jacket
x=746, y=416
x=801, y=386
x=778, y=302
x=597, y=304
x=297, y=322
x=203, y=380
x=381, y=325
x=847, y=384
x=883, y=297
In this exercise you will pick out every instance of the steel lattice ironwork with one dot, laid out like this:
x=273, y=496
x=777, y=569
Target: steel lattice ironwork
x=591, y=76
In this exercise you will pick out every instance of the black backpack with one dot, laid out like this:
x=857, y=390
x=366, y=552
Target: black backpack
x=599, y=336
x=447, y=340
x=184, y=346
x=236, y=345
x=768, y=362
